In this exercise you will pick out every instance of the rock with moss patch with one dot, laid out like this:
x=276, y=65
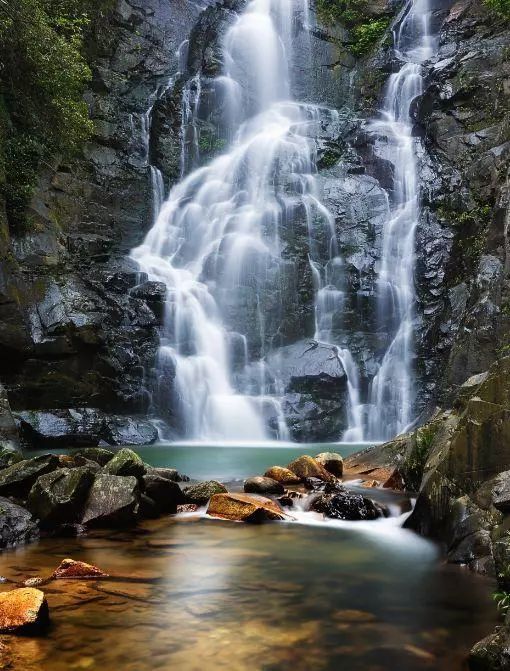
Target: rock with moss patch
x=58, y=497
x=283, y=475
x=125, y=462
x=17, y=479
x=264, y=486
x=112, y=500
x=16, y=525
x=98, y=454
x=202, y=492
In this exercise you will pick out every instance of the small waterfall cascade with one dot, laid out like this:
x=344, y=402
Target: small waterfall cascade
x=216, y=240
x=392, y=392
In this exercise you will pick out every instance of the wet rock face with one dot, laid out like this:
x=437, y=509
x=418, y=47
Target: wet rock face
x=203, y=491
x=346, y=505
x=112, y=500
x=58, y=497
x=16, y=525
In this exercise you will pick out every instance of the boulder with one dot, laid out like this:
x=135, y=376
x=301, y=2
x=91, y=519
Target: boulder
x=307, y=467
x=112, y=500
x=346, y=505
x=9, y=439
x=167, y=473
x=69, y=568
x=187, y=508
x=23, y=610
x=202, y=492
x=283, y=475
x=501, y=492
x=332, y=462
x=166, y=494
x=16, y=525
x=18, y=479
x=58, y=497
x=263, y=485
x=244, y=508
x=98, y=454
x=492, y=653
x=125, y=462
x=119, y=430
x=9, y=457
x=76, y=461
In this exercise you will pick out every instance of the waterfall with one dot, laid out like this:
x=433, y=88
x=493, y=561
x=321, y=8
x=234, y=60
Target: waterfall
x=216, y=241
x=392, y=391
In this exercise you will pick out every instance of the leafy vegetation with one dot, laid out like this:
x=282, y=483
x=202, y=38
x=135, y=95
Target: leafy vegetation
x=365, y=31
x=415, y=462
x=501, y=7
x=502, y=600
x=43, y=73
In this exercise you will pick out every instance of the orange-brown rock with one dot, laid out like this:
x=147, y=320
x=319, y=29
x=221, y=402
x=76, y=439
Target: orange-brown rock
x=283, y=475
x=394, y=481
x=69, y=568
x=332, y=462
x=244, y=508
x=307, y=467
x=23, y=610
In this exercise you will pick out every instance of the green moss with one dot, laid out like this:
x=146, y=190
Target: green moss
x=499, y=7
x=43, y=73
x=366, y=36
x=209, y=143
x=415, y=462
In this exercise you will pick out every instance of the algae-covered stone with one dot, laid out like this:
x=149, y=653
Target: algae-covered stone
x=23, y=610
x=283, y=475
x=244, y=508
x=492, y=653
x=17, y=479
x=167, y=473
x=112, y=500
x=59, y=496
x=125, y=462
x=98, y=454
x=16, y=525
x=307, y=467
x=263, y=485
x=332, y=462
x=202, y=492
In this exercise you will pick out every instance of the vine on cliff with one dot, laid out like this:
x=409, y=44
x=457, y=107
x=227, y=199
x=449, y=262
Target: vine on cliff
x=43, y=73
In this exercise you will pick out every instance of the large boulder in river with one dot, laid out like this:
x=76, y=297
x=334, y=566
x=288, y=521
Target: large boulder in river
x=23, y=610
x=165, y=493
x=17, y=479
x=244, y=508
x=167, y=473
x=307, y=467
x=125, y=462
x=263, y=485
x=16, y=525
x=332, y=462
x=58, y=497
x=202, y=492
x=346, y=505
x=112, y=500
x=283, y=475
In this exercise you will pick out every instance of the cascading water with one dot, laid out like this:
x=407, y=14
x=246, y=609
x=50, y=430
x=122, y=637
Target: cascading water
x=392, y=393
x=216, y=240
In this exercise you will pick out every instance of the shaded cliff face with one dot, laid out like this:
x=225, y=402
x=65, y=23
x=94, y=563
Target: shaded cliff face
x=78, y=324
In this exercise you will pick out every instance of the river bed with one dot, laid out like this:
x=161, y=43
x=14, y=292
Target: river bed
x=194, y=594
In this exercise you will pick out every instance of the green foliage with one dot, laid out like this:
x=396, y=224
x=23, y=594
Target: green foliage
x=43, y=74
x=366, y=35
x=501, y=7
x=415, y=462
x=208, y=143
x=502, y=600
x=365, y=31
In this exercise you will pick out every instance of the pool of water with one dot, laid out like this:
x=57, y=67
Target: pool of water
x=196, y=594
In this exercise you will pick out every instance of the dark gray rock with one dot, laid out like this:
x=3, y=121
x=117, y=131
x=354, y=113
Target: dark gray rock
x=97, y=454
x=125, y=462
x=501, y=492
x=112, y=500
x=58, y=497
x=9, y=439
x=167, y=473
x=166, y=494
x=202, y=492
x=16, y=525
x=346, y=505
x=264, y=486
x=17, y=479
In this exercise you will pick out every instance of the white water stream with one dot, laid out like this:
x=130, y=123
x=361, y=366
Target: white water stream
x=216, y=242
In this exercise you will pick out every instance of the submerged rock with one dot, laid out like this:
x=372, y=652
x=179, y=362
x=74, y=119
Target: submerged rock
x=283, y=475
x=307, y=467
x=202, y=492
x=112, y=499
x=69, y=568
x=17, y=479
x=263, y=485
x=16, y=525
x=244, y=508
x=125, y=462
x=23, y=610
x=58, y=497
x=346, y=505
x=332, y=462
